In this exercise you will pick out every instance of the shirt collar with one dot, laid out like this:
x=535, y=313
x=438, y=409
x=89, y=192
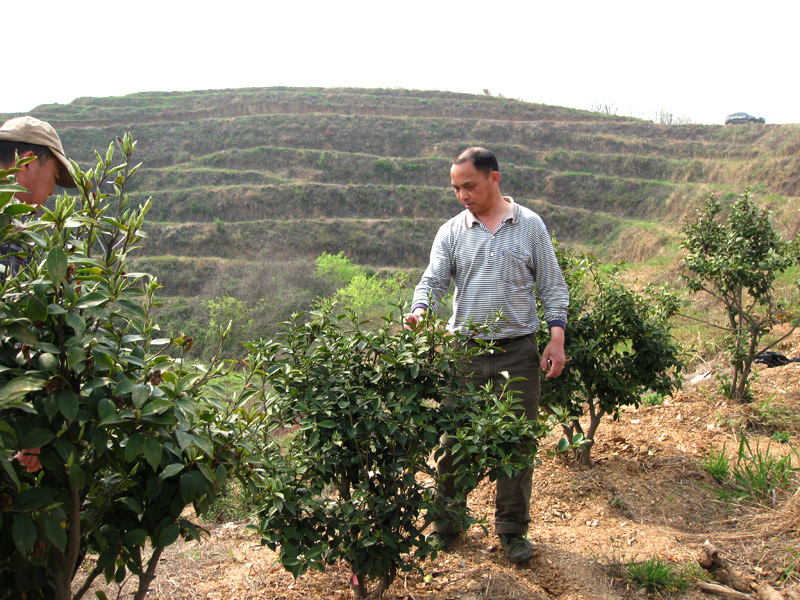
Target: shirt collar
x=512, y=214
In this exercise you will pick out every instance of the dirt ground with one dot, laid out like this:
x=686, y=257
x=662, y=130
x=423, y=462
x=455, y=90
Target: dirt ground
x=643, y=498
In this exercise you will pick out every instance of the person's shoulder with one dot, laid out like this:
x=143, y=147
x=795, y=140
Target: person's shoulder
x=456, y=223
x=528, y=215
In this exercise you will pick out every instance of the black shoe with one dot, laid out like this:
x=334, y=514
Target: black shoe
x=442, y=541
x=516, y=546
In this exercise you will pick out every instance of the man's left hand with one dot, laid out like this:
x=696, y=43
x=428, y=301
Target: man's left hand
x=553, y=357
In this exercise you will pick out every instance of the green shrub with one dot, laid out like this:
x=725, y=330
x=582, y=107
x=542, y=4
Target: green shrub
x=127, y=437
x=735, y=256
x=336, y=268
x=368, y=407
x=620, y=346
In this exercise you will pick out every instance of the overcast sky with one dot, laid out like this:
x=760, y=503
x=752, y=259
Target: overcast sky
x=698, y=59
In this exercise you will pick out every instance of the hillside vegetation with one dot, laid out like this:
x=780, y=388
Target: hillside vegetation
x=250, y=186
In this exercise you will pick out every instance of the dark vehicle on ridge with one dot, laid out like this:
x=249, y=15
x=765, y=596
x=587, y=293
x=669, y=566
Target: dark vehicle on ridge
x=742, y=117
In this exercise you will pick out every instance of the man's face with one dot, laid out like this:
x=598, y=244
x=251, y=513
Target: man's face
x=475, y=190
x=39, y=178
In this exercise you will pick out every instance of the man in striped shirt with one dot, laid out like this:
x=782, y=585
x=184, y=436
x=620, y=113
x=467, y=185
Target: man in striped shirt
x=500, y=257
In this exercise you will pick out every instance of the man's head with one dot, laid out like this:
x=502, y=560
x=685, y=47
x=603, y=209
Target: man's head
x=475, y=176
x=482, y=159
x=29, y=137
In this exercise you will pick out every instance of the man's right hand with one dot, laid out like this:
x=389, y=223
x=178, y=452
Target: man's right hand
x=412, y=319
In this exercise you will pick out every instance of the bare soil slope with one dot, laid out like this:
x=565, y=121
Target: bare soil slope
x=645, y=497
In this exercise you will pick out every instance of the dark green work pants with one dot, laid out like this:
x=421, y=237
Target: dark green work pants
x=520, y=358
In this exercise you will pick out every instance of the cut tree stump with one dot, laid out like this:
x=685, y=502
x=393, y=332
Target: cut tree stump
x=720, y=569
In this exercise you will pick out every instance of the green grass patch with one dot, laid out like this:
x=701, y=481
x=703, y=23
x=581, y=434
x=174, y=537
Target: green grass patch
x=717, y=464
x=756, y=475
x=656, y=575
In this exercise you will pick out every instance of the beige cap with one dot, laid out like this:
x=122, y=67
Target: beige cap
x=30, y=130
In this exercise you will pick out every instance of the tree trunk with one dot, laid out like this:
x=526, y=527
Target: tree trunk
x=147, y=577
x=358, y=585
x=386, y=581
x=584, y=454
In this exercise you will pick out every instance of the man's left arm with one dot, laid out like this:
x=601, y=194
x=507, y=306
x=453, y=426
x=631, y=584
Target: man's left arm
x=554, y=296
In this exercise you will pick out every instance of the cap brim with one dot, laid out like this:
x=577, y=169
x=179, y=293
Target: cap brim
x=65, y=179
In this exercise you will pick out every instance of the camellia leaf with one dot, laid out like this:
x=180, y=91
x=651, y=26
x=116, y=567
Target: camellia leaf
x=99, y=439
x=135, y=537
x=92, y=299
x=77, y=323
x=171, y=470
x=134, y=447
x=37, y=311
x=139, y=394
x=56, y=264
x=221, y=476
x=18, y=387
x=106, y=408
x=36, y=438
x=168, y=535
x=107, y=557
x=131, y=307
x=75, y=356
x=132, y=504
x=23, y=531
x=54, y=532
x=68, y=404
x=21, y=333
x=192, y=486
x=56, y=309
x=34, y=498
x=204, y=443
x=152, y=452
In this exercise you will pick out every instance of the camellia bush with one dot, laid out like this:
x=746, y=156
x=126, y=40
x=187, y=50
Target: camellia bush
x=620, y=347
x=363, y=410
x=105, y=437
x=735, y=256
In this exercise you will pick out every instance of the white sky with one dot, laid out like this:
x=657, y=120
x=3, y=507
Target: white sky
x=698, y=59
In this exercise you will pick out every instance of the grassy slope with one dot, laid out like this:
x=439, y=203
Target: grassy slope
x=251, y=185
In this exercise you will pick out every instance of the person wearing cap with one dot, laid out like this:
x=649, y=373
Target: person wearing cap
x=26, y=137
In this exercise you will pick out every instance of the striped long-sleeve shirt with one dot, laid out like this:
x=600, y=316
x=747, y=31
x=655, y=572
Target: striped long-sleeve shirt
x=504, y=270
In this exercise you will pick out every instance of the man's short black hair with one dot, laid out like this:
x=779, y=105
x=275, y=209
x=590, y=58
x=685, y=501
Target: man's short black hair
x=9, y=150
x=481, y=158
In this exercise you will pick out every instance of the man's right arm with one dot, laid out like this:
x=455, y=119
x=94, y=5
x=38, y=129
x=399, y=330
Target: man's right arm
x=435, y=281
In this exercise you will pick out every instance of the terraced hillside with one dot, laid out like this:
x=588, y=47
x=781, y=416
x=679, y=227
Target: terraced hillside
x=251, y=185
